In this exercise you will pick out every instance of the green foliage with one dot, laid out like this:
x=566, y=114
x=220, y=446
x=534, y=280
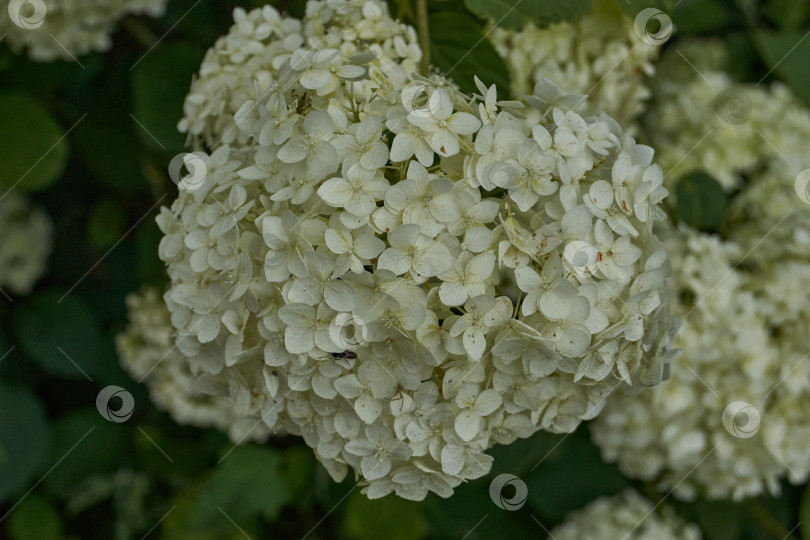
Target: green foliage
x=34, y=517
x=460, y=50
x=34, y=146
x=633, y=7
x=699, y=16
x=60, y=333
x=245, y=485
x=24, y=438
x=389, y=517
x=700, y=201
x=786, y=55
x=160, y=83
x=557, y=485
x=719, y=520
x=106, y=224
x=509, y=14
x=804, y=513
x=84, y=445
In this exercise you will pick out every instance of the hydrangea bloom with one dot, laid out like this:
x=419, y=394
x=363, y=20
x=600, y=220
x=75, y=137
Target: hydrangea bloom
x=63, y=29
x=599, y=55
x=627, y=515
x=743, y=298
x=25, y=243
x=735, y=350
x=363, y=240
x=147, y=352
x=704, y=120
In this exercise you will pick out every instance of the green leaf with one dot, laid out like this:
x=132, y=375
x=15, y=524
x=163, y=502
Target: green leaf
x=36, y=518
x=557, y=485
x=511, y=14
x=149, y=268
x=108, y=145
x=634, y=7
x=298, y=472
x=59, y=336
x=522, y=455
x=460, y=50
x=788, y=14
x=700, y=16
x=178, y=524
x=700, y=201
x=85, y=444
x=719, y=520
x=391, y=517
x=804, y=513
x=786, y=54
x=24, y=439
x=463, y=515
x=160, y=83
x=34, y=148
x=250, y=470
x=106, y=224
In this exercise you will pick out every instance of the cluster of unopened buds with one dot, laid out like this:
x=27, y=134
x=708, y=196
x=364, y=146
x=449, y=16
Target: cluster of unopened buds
x=399, y=272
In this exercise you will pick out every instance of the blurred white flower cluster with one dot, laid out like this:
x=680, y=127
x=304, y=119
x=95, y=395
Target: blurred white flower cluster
x=400, y=273
x=599, y=55
x=626, y=516
x=25, y=242
x=744, y=302
x=63, y=29
x=147, y=352
x=703, y=120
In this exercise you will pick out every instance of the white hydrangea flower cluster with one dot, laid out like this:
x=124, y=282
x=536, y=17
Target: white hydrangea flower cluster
x=405, y=275
x=147, y=352
x=736, y=349
x=743, y=299
x=703, y=120
x=626, y=516
x=25, y=242
x=62, y=29
x=599, y=55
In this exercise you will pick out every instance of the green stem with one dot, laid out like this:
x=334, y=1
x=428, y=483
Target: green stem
x=423, y=28
x=767, y=521
x=140, y=31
